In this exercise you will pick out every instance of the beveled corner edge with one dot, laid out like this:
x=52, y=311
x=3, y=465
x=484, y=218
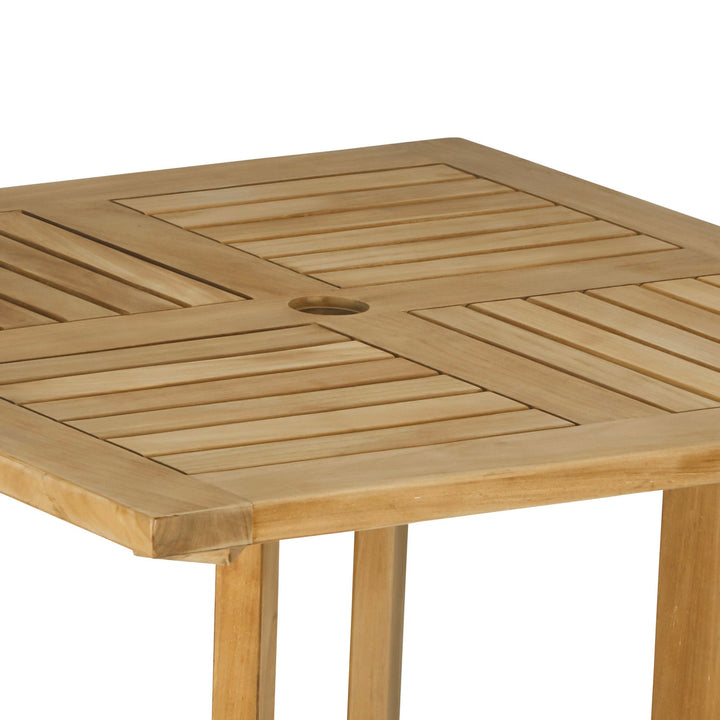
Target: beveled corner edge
x=152, y=509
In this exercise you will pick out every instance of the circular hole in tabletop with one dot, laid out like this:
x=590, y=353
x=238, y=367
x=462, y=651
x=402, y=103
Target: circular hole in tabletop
x=328, y=305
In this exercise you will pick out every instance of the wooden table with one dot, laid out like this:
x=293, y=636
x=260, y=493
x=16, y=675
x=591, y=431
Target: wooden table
x=199, y=363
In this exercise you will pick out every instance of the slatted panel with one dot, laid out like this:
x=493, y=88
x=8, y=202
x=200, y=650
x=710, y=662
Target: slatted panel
x=367, y=441
x=696, y=292
x=488, y=262
x=13, y=315
x=48, y=274
x=658, y=343
x=396, y=226
x=260, y=397
x=179, y=202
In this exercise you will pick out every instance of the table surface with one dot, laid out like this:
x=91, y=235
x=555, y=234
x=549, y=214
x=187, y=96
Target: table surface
x=178, y=372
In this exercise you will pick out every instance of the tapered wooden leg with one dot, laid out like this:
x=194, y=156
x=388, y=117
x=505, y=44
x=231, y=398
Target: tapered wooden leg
x=246, y=598
x=687, y=650
x=377, y=624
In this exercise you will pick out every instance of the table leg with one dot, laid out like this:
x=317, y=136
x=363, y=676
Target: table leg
x=246, y=600
x=377, y=624
x=687, y=650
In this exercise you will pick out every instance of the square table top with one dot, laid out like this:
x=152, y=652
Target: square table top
x=193, y=360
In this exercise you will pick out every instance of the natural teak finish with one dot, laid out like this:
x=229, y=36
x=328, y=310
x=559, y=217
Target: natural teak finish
x=377, y=623
x=246, y=602
x=200, y=360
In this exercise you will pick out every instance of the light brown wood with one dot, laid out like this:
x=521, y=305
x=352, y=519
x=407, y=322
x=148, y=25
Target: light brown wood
x=419, y=434
x=377, y=624
x=478, y=361
x=429, y=231
x=152, y=376
x=168, y=353
x=694, y=292
x=610, y=345
x=498, y=199
x=504, y=304
x=241, y=194
x=492, y=262
x=330, y=202
x=88, y=253
x=246, y=605
x=687, y=652
x=555, y=354
x=465, y=245
x=405, y=485
x=575, y=193
x=655, y=305
x=538, y=280
x=129, y=331
x=273, y=406
x=14, y=315
x=521, y=337
x=315, y=424
x=255, y=387
x=167, y=514
x=47, y=300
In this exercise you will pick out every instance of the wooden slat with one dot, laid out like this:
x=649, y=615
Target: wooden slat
x=48, y=300
x=378, y=608
x=662, y=307
x=505, y=372
x=567, y=359
x=687, y=648
x=167, y=353
x=13, y=315
x=126, y=331
x=158, y=375
x=537, y=280
x=155, y=204
x=73, y=278
x=446, y=247
x=366, y=441
x=330, y=203
x=635, y=326
x=611, y=346
x=185, y=252
x=246, y=388
x=492, y=262
x=316, y=424
x=485, y=475
x=414, y=232
x=712, y=279
x=93, y=254
x=246, y=606
x=498, y=202
x=229, y=411
x=691, y=291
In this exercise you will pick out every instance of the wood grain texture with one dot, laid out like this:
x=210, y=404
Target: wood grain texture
x=687, y=652
x=575, y=193
x=405, y=485
x=506, y=304
x=95, y=485
x=377, y=624
x=526, y=338
x=283, y=190
x=246, y=606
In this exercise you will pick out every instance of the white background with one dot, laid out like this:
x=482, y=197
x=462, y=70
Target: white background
x=532, y=614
